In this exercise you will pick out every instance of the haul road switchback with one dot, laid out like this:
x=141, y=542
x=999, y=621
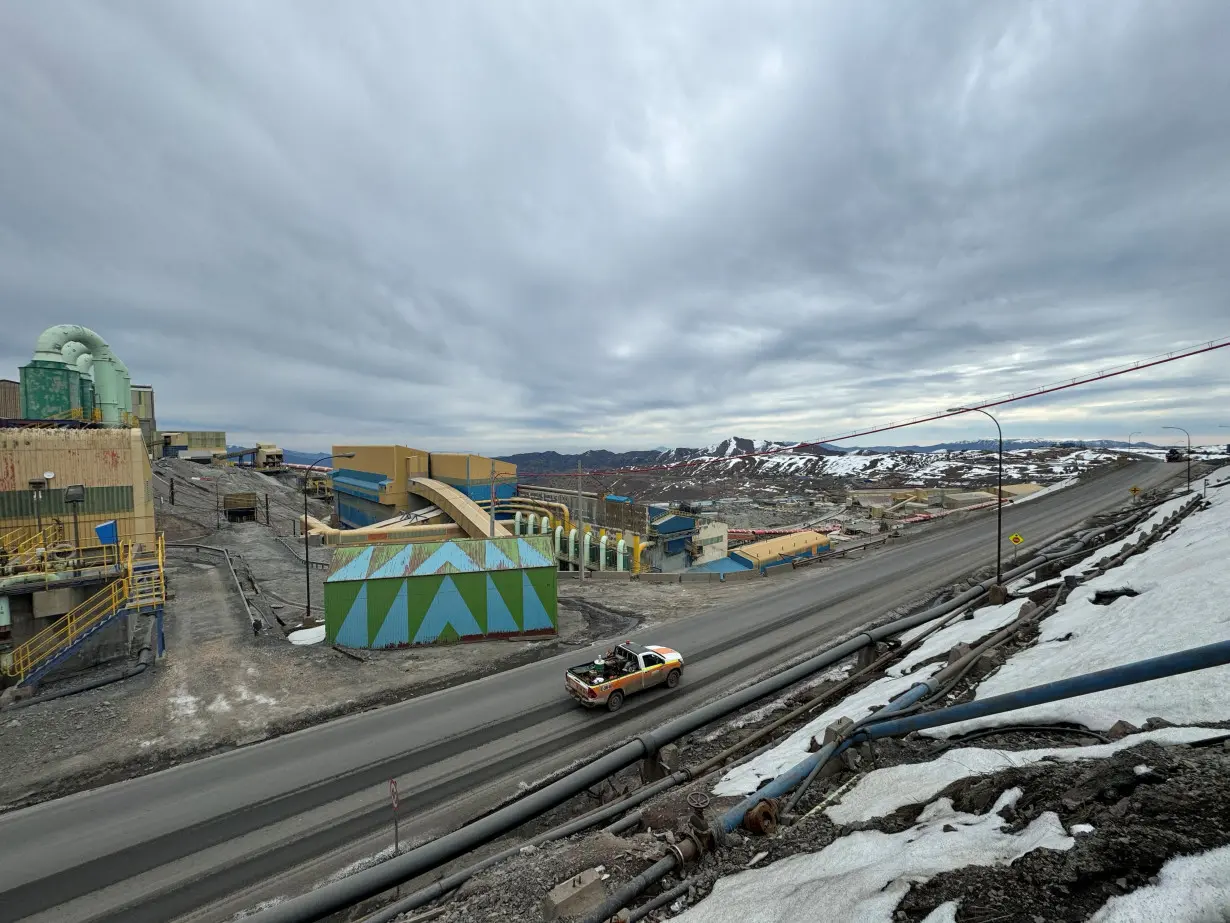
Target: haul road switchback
x=206, y=839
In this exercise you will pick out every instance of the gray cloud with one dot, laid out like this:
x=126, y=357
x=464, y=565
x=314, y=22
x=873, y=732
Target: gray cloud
x=504, y=226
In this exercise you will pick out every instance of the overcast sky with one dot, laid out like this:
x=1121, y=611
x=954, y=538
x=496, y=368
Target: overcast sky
x=509, y=226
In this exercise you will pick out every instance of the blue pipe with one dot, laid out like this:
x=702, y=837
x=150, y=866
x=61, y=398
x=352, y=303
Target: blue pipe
x=881, y=724
x=1130, y=674
x=800, y=772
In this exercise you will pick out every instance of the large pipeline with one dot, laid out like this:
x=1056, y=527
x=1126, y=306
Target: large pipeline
x=886, y=725
x=338, y=895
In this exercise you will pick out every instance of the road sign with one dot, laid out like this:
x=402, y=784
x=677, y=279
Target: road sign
x=1015, y=538
x=1134, y=490
x=396, y=832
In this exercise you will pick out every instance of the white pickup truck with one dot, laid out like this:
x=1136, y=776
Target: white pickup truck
x=617, y=674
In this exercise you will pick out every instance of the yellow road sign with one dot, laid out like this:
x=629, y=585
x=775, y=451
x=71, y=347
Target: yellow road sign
x=1134, y=490
x=1015, y=538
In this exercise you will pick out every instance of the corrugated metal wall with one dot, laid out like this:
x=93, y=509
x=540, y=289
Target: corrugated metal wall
x=10, y=399
x=440, y=608
x=110, y=463
x=466, y=589
x=48, y=390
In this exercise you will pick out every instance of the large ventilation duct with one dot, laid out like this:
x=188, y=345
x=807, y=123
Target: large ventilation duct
x=112, y=389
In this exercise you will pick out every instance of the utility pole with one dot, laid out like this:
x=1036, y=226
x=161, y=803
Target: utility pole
x=580, y=524
x=491, y=526
x=999, y=487
x=1189, y=454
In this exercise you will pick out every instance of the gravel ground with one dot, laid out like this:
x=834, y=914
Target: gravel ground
x=221, y=686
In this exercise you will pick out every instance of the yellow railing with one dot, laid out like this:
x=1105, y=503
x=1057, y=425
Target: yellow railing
x=137, y=589
x=55, y=638
x=49, y=536
x=49, y=556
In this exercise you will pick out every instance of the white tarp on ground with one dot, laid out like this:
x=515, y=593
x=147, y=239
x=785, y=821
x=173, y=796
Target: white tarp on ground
x=1183, y=583
x=863, y=876
x=885, y=790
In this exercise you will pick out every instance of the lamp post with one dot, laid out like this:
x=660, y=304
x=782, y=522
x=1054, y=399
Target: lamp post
x=1189, y=454
x=1130, y=435
x=999, y=493
x=307, y=560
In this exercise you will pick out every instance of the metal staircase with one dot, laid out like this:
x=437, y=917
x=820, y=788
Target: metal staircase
x=142, y=588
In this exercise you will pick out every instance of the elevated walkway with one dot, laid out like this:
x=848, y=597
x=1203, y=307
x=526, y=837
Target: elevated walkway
x=473, y=519
x=142, y=588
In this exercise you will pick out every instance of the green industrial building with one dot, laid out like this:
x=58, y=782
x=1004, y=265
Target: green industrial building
x=395, y=595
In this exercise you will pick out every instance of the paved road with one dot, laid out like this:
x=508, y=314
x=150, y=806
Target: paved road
x=180, y=839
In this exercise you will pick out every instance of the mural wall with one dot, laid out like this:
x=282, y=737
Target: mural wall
x=393, y=595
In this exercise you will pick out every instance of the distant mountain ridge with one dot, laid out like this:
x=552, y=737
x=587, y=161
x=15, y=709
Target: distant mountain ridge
x=725, y=452
x=729, y=449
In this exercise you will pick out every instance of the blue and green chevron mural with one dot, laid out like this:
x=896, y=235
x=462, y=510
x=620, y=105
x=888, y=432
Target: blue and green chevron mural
x=463, y=590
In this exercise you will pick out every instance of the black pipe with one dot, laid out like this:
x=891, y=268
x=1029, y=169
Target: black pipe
x=632, y=890
x=439, y=888
x=338, y=895
x=624, y=823
x=661, y=900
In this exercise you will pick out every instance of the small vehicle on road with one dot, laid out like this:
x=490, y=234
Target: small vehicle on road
x=626, y=669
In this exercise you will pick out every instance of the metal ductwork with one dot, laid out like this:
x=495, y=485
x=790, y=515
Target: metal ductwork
x=81, y=348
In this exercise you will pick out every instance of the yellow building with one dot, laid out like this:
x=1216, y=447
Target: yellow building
x=37, y=466
x=782, y=548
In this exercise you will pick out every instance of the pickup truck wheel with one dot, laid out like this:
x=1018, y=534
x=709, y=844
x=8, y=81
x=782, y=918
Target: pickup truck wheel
x=616, y=700
x=672, y=679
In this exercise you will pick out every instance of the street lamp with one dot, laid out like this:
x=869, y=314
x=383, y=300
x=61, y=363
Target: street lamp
x=1130, y=435
x=1189, y=454
x=999, y=494
x=307, y=560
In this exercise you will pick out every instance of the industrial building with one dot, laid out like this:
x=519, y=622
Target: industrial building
x=374, y=485
x=79, y=553
x=780, y=549
x=392, y=595
x=197, y=445
x=10, y=399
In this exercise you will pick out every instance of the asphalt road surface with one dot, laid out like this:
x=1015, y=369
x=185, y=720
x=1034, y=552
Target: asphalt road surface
x=164, y=846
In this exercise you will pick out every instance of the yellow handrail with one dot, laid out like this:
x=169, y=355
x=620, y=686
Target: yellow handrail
x=135, y=589
x=55, y=638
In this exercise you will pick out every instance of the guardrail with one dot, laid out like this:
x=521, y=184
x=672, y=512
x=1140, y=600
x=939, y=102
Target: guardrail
x=294, y=549
x=229, y=565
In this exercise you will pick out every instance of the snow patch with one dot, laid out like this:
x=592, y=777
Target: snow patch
x=307, y=635
x=745, y=779
x=885, y=790
x=262, y=906
x=1182, y=584
x=219, y=706
x=1080, y=828
x=986, y=620
x=361, y=865
x=863, y=876
x=183, y=705
x=764, y=711
x=245, y=695
x=1189, y=889
x=944, y=913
